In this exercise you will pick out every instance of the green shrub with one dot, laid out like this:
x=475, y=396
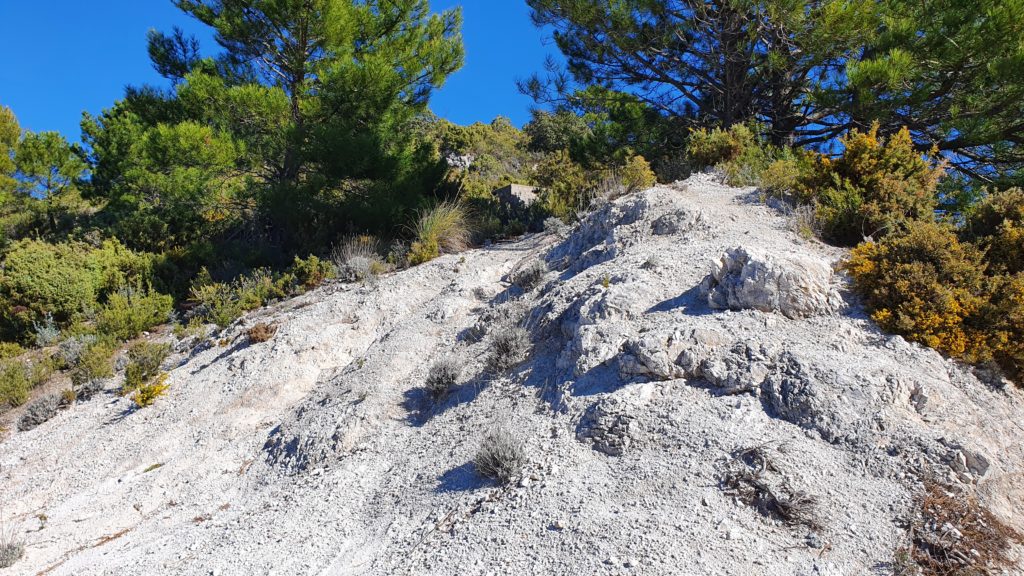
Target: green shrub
x=95, y=362
x=217, y=303
x=637, y=174
x=565, y=187
x=66, y=280
x=1002, y=321
x=312, y=271
x=146, y=395
x=707, y=148
x=997, y=225
x=877, y=187
x=782, y=177
x=10, y=350
x=144, y=360
x=443, y=229
x=926, y=285
x=14, y=384
x=128, y=313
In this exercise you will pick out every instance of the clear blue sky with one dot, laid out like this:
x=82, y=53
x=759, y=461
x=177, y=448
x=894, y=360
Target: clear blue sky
x=62, y=57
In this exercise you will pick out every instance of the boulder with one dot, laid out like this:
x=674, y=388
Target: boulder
x=795, y=285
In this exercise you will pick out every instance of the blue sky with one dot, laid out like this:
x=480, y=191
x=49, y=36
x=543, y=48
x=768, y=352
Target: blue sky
x=62, y=57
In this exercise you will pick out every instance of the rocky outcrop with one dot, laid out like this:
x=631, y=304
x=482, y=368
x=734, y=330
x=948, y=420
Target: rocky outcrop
x=795, y=285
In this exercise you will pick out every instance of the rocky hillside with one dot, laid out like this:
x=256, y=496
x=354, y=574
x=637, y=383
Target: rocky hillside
x=699, y=395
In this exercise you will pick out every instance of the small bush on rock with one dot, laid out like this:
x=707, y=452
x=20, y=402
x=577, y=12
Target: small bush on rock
x=637, y=174
x=147, y=394
x=443, y=377
x=358, y=259
x=144, y=360
x=95, y=362
x=70, y=350
x=531, y=276
x=311, y=272
x=952, y=534
x=11, y=550
x=510, y=345
x=39, y=411
x=501, y=456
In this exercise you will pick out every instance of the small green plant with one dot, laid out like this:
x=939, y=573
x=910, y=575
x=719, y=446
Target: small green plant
x=501, y=456
x=311, y=272
x=95, y=362
x=606, y=281
x=152, y=467
x=707, y=148
x=144, y=360
x=146, y=395
x=443, y=377
x=10, y=350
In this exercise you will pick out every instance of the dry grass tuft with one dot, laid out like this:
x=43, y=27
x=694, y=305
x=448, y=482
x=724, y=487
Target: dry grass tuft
x=501, y=456
x=746, y=479
x=443, y=377
x=443, y=229
x=261, y=332
x=952, y=534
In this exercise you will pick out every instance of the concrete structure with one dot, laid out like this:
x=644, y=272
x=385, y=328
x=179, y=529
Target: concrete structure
x=517, y=195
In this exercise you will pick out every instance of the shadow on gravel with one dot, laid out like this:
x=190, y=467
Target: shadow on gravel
x=689, y=302
x=461, y=479
x=240, y=344
x=420, y=406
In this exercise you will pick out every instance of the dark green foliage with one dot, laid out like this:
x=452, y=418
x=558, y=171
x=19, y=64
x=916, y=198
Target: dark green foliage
x=997, y=224
x=94, y=363
x=128, y=313
x=874, y=188
x=69, y=281
x=945, y=69
x=14, y=384
x=706, y=61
